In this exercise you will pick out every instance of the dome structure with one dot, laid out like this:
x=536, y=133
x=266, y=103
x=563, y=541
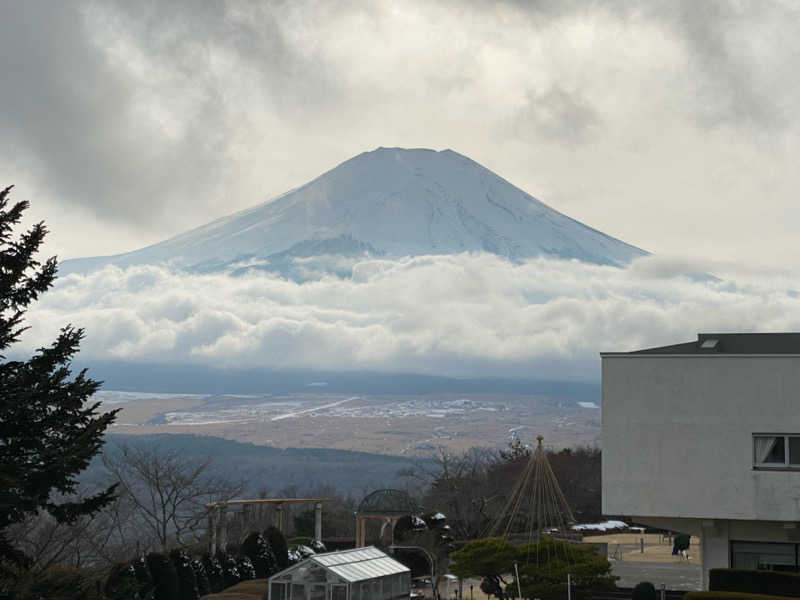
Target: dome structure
x=388, y=502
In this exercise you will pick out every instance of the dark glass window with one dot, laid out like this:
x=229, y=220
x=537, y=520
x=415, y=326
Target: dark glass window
x=777, y=454
x=794, y=451
x=764, y=556
x=279, y=591
x=771, y=450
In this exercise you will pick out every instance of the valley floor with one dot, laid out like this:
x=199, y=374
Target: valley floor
x=398, y=425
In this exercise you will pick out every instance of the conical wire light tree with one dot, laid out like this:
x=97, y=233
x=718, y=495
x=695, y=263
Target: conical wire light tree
x=536, y=504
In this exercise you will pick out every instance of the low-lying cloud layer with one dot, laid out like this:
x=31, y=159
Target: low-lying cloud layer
x=462, y=315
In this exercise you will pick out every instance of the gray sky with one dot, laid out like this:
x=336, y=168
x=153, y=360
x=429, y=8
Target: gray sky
x=668, y=124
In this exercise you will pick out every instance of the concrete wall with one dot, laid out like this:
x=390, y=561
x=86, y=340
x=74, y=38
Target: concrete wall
x=677, y=435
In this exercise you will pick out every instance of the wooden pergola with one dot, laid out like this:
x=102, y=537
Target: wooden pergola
x=218, y=522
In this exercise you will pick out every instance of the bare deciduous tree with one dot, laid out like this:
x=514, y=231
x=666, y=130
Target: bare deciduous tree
x=458, y=486
x=168, y=491
x=91, y=541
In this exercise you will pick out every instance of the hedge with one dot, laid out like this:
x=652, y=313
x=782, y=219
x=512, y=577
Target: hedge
x=732, y=596
x=644, y=591
x=770, y=583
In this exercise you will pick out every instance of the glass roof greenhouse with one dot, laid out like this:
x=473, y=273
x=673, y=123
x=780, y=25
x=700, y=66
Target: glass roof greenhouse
x=359, y=574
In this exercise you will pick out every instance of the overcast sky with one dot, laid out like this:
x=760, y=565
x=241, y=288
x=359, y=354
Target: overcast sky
x=668, y=124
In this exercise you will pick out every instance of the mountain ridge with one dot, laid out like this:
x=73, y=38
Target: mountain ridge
x=390, y=202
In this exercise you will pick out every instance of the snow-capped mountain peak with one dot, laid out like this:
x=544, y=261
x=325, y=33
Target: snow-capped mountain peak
x=391, y=202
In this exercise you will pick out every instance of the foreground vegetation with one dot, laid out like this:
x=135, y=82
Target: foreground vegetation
x=542, y=568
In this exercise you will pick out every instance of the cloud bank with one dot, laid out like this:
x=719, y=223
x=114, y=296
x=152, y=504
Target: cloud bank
x=456, y=315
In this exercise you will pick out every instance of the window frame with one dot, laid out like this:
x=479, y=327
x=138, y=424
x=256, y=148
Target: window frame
x=286, y=588
x=787, y=464
x=732, y=553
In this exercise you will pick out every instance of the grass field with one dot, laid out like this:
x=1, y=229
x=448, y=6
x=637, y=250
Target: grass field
x=626, y=546
x=255, y=589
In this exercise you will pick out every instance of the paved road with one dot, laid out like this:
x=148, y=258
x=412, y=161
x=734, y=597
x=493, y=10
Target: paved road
x=676, y=576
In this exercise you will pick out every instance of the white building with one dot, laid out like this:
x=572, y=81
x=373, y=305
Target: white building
x=704, y=438
x=359, y=574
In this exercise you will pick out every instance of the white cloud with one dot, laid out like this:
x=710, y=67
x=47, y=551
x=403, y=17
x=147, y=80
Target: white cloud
x=463, y=315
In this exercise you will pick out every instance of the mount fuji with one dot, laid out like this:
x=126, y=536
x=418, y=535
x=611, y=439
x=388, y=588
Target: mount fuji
x=390, y=202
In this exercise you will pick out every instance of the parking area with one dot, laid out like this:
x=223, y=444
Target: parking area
x=673, y=575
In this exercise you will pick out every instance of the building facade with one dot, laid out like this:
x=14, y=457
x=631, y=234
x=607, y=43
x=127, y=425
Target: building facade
x=704, y=438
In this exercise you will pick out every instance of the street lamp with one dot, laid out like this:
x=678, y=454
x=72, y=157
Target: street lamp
x=431, y=561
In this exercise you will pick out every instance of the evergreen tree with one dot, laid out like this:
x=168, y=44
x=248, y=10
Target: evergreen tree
x=214, y=573
x=187, y=578
x=230, y=569
x=165, y=577
x=278, y=545
x=203, y=584
x=48, y=430
x=256, y=548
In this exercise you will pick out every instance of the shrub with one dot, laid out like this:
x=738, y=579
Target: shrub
x=230, y=570
x=61, y=583
x=303, y=551
x=203, y=584
x=644, y=591
x=773, y=583
x=551, y=560
x=165, y=578
x=121, y=583
x=143, y=577
x=187, y=581
x=277, y=542
x=246, y=569
x=257, y=549
x=300, y=540
x=214, y=573
x=731, y=596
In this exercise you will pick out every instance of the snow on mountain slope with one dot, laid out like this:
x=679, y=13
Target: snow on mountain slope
x=392, y=202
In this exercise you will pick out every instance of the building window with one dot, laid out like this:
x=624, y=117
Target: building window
x=780, y=451
x=278, y=591
x=764, y=556
x=317, y=591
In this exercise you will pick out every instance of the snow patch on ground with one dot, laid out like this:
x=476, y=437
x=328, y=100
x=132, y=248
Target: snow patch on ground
x=604, y=526
x=314, y=409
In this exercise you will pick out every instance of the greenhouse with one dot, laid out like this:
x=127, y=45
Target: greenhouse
x=359, y=574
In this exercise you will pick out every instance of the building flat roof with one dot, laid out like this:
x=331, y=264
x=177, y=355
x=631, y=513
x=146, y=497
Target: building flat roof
x=729, y=343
